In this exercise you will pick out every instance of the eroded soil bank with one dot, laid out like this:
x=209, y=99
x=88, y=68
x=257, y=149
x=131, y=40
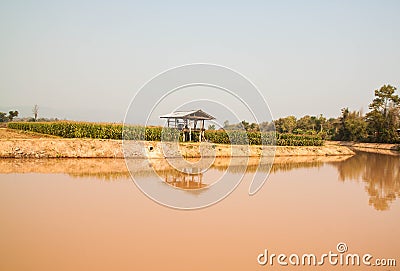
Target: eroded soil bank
x=99, y=148
x=390, y=149
x=19, y=144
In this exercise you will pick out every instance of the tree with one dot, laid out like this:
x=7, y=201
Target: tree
x=226, y=123
x=253, y=127
x=310, y=124
x=352, y=126
x=267, y=126
x=12, y=115
x=332, y=127
x=383, y=119
x=3, y=117
x=285, y=125
x=244, y=125
x=211, y=127
x=35, y=111
x=304, y=124
x=320, y=122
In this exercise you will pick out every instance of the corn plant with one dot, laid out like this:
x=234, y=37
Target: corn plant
x=69, y=129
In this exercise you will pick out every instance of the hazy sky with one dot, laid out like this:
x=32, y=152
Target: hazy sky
x=85, y=60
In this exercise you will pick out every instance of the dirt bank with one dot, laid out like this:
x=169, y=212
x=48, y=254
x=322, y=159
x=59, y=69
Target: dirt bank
x=98, y=148
x=20, y=144
x=390, y=149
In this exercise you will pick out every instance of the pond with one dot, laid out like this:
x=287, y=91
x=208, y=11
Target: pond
x=87, y=214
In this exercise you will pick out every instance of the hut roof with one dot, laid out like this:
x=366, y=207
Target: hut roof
x=191, y=115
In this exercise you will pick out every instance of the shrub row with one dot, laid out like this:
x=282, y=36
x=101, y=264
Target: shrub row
x=118, y=131
x=240, y=137
x=299, y=140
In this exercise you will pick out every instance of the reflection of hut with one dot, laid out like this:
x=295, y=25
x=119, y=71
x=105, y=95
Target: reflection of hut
x=188, y=122
x=191, y=178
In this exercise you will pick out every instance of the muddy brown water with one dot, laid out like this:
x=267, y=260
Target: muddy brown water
x=71, y=215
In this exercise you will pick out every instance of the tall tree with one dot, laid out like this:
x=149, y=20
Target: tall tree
x=332, y=127
x=35, y=111
x=320, y=122
x=352, y=126
x=383, y=119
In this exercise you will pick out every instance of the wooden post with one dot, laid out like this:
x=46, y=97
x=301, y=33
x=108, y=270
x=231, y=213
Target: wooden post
x=202, y=130
x=190, y=132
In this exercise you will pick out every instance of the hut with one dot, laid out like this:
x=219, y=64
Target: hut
x=188, y=122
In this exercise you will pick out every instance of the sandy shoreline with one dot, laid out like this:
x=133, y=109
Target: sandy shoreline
x=381, y=148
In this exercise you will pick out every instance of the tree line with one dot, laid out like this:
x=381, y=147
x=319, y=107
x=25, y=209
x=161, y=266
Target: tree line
x=381, y=124
x=13, y=114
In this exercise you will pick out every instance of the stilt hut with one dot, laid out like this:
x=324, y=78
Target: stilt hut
x=188, y=122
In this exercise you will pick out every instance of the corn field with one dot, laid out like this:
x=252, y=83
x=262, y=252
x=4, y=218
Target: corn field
x=67, y=129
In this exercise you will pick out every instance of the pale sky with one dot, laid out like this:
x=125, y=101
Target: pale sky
x=84, y=60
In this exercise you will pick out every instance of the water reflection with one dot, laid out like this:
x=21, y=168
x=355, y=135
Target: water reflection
x=103, y=169
x=114, y=169
x=379, y=172
x=190, y=178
